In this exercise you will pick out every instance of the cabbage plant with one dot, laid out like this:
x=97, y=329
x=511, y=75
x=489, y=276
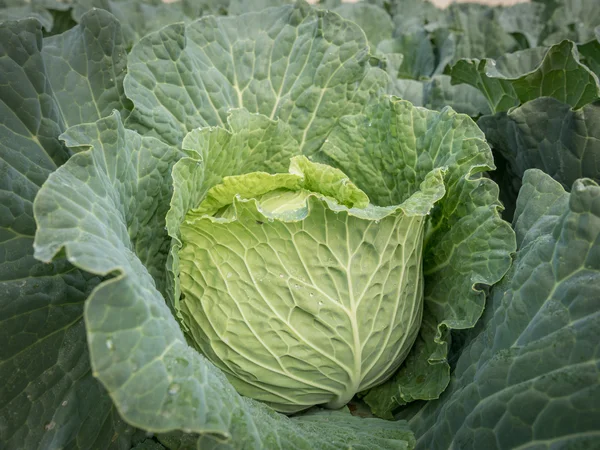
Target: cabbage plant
x=230, y=236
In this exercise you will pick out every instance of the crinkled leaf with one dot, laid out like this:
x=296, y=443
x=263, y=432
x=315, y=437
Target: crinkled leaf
x=299, y=276
x=523, y=76
x=105, y=208
x=48, y=396
x=530, y=377
x=466, y=244
x=301, y=65
x=549, y=135
x=252, y=143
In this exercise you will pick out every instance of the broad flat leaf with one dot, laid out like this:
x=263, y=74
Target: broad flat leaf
x=86, y=67
x=105, y=209
x=523, y=76
x=529, y=379
x=300, y=65
x=549, y=135
x=321, y=266
x=373, y=20
x=466, y=244
x=48, y=396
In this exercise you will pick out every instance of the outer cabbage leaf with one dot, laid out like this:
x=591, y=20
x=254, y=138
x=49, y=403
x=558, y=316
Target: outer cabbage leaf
x=303, y=66
x=86, y=67
x=105, y=209
x=523, y=76
x=48, y=396
x=529, y=378
x=549, y=135
x=466, y=242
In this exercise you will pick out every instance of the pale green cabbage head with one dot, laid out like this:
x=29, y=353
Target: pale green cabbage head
x=300, y=289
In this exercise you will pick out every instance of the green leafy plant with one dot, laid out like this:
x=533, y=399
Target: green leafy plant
x=222, y=228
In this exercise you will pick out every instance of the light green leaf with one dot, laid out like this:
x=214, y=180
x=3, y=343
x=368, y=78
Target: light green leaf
x=523, y=76
x=303, y=66
x=529, y=379
x=86, y=67
x=252, y=143
x=155, y=379
x=548, y=135
x=398, y=144
x=308, y=263
x=48, y=396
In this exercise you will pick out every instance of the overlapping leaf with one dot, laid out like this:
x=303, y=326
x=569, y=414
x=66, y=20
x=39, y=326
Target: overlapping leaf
x=530, y=377
x=48, y=396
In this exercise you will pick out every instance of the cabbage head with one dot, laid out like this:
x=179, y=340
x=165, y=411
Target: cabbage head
x=298, y=288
